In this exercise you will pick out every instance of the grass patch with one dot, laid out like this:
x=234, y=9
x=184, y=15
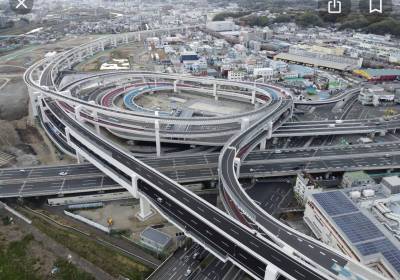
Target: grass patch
x=107, y=259
x=68, y=271
x=15, y=263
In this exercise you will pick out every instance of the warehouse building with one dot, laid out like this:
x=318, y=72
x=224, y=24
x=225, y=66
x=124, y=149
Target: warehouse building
x=378, y=74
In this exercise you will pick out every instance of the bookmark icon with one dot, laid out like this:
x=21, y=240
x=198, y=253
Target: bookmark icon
x=375, y=6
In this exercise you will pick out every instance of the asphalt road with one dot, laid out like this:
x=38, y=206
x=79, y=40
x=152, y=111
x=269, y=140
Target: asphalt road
x=218, y=231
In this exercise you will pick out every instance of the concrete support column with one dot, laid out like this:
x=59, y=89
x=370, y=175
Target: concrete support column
x=91, y=50
x=244, y=124
x=237, y=163
x=126, y=39
x=175, y=86
x=157, y=132
x=67, y=135
x=253, y=96
x=145, y=211
x=34, y=98
x=78, y=110
x=269, y=127
x=79, y=158
x=69, y=63
x=291, y=111
x=263, y=144
x=96, y=120
x=102, y=46
x=271, y=272
x=133, y=190
x=215, y=91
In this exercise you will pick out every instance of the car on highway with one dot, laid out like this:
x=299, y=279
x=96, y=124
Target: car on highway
x=188, y=272
x=159, y=199
x=63, y=173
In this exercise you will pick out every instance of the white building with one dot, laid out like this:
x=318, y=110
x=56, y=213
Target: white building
x=375, y=95
x=266, y=73
x=304, y=187
x=236, y=75
x=222, y=26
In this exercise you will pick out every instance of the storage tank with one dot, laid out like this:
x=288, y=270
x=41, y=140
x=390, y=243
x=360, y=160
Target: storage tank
x=368, y=193
x=355, y=194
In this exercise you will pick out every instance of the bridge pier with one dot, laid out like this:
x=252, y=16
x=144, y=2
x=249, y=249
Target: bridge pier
x=215, y=91
x=78, y=110
x=157, y=132
x=253, y=96
x=96, y=124
x=79, y=158
x=176, y=86
x=263, y=144
x=269, y=127
x=34, y=98
x=244, y=124
x=237, y=163
x=271, y=272
x=145, y=211
x=133, y=189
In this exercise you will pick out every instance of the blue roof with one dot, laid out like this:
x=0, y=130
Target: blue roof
x=357, y=227
x=335, y=203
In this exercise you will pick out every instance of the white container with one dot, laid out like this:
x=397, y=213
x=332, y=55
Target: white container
x=355, y=194
x=368, y=193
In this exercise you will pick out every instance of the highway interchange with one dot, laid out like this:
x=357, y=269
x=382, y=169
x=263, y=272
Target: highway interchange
x=262, y=246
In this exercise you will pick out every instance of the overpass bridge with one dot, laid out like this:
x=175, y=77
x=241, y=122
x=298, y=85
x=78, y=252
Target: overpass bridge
x=263, y=255
x=81, y=178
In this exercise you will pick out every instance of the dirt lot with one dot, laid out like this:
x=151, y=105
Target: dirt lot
x=19, y=137
x=44, y=258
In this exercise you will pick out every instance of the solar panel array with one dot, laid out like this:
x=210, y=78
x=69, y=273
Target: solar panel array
x=358, y=228
x=393, y=257
x=376, y=246
x=335, y=203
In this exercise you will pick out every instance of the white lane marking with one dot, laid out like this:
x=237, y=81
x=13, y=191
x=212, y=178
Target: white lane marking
x=322, y=253
x=301, y=274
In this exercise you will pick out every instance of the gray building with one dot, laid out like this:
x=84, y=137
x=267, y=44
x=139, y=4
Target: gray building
x=155, y=240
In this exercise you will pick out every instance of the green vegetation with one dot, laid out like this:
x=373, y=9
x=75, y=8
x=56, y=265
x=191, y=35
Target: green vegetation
x=68, y=271
x=308, y=19
x=261, y=21
x=283, y=18
x=224, y=15
x=15, y=263
x=108, y=259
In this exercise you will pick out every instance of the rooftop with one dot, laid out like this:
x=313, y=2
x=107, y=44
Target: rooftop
x=357, y=228
x=156, y=235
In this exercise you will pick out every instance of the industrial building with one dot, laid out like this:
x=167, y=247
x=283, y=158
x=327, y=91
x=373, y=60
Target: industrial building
x=310, y=57
x=346, y=220
x=356, y=179
x=374, y=95
x=378, y=74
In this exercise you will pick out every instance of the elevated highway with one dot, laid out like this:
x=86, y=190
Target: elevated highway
x=80, y=178
x=275, y=250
